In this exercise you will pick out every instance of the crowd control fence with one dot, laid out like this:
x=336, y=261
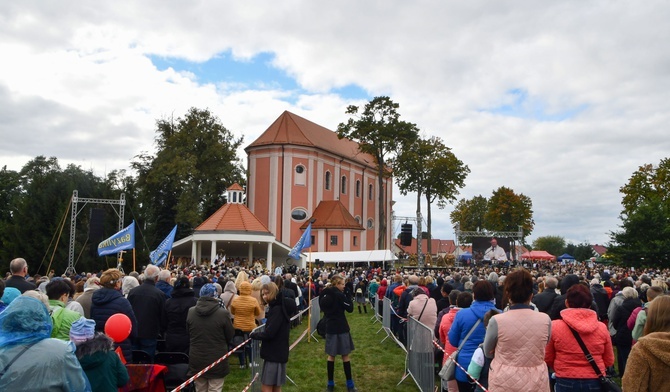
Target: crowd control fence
x=420, y=358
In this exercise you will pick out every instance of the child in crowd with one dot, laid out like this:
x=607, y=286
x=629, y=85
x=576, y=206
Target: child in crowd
x=480, y=364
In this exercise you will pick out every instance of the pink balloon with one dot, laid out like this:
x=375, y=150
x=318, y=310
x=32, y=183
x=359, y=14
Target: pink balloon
x=118, y=327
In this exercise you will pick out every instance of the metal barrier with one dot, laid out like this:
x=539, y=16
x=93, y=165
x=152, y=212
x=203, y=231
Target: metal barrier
x=315, y=316
x=420, y=355
x=256, y=363
x=377, y=317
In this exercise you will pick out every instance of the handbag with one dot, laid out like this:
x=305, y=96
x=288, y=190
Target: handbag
x=606, y=383
x=321, y=327
x=449, y=367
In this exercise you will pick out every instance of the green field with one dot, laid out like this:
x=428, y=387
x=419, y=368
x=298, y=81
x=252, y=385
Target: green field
x=376, y=366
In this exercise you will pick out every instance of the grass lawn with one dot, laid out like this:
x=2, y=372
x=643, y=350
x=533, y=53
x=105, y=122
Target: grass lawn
x=376, y=366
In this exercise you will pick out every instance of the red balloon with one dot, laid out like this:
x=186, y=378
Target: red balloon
x=118, y=327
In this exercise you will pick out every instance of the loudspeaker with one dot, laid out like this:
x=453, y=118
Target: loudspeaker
x=96, y=225
x=406, y=234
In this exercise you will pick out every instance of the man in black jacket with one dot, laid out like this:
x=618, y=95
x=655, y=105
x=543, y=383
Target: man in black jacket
x=19, y=269
x=545, y=299
x=148, y=303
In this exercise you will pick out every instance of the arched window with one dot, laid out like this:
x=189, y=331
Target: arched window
x=344, y=185
x=370, y=192
x=300, y=175
x=358, y=219
x=358, y=188
x=327, y=180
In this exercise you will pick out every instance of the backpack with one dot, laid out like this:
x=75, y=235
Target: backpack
x=321, y=327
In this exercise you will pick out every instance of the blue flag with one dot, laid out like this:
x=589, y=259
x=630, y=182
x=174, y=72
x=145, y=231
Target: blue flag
x=160, y=255
x=124, y=239
x=304, y=242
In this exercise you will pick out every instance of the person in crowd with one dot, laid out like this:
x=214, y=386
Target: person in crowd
x=334, y=302
x=245, y=309
x=95, y=352
x=371, y=292
x=459, y=301
x=623, y=339
x=563, y=353
x=639, y=315
x=443, y=302
x=558, y=305
x=174, y=316
x=648, y=367
x=274, y=338
x=40, y=297
x=210, y=329
x=256, y=286
x=403, y=303
x=84, y=300
x=601, y=298
x=2, y=292
x=615, y=303
x=128, y=283
x=19, y=269
x=229, y=294
x=148, y=303
x=62, y=319
x=163, y=283
x=423, y=308
x=79, y=289
x=360, y=296
x=108, y=301
x=29, y=358
x=517, y=338
x=495, y=253
x=545, y=299
x=463, y=322
x=480, y=364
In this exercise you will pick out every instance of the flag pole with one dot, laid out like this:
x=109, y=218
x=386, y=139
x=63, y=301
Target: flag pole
x=168, y=259
x=309, y=294
x=134, y=260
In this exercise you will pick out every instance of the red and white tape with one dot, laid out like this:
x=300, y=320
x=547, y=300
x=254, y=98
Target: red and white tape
x=436, y=344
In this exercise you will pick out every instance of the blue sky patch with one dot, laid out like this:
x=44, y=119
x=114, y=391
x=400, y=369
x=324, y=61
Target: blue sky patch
x=255, y=73
x=519, y=104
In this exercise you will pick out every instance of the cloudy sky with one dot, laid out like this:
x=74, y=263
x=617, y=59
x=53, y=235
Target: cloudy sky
x=559, y=100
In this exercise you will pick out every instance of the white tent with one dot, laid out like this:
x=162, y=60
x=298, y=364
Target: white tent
x=362, y=256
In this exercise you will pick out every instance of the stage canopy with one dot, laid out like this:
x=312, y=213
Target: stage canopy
x=537, y=255
x=362, y=256
x=565, y=256
x=465, y=256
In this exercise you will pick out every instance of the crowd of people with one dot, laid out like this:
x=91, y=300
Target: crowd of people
x=518, y=328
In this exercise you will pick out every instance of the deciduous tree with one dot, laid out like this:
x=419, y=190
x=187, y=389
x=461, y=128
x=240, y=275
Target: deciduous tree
x=553, y=244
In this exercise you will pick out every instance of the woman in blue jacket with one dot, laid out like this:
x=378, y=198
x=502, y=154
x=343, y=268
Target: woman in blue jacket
x=464, y=321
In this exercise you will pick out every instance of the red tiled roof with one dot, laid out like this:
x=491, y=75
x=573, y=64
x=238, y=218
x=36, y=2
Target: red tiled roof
x=233, y=217
x=235, y=187
x=331, y=214
x=292, y=129
x=437, y=245
x=599, y=249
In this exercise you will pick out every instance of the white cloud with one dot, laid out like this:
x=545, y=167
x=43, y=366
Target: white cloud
x=76, y=82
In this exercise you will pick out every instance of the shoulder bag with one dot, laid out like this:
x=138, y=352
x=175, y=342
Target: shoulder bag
x=449, y=367
x=606, y=383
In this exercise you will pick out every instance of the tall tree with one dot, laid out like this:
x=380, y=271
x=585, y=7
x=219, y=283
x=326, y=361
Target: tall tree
x=469, y=214
x=553, y=244
x=380, y=133
x=430, y=168
x=580, y=252
x=185, y=181
x=507, y=211
x=644, y=238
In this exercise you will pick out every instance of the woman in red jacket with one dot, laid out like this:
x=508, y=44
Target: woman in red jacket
x=563, y=353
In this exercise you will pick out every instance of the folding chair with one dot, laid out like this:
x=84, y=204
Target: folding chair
x=177, y=365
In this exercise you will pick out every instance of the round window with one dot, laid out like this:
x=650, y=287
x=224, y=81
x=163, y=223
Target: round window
x=299, y=169
x=370, y=223
x=299, y=214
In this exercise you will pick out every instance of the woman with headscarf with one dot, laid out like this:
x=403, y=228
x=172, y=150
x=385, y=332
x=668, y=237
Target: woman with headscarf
x=174, y=316
x=108, y=301
x=210, y=330
x=29, y=359
x=128, y=283
x=275, y=338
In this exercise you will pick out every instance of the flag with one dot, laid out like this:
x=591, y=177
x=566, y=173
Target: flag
x=304, y=242
x=124, y=239
x=160, y=254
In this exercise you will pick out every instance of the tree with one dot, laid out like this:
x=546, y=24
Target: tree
x=380, y=133
x=644, y=236
x=185, y=182
x=469, y=214
x=580, y=252
x=507, y=211
x=553, y=244
x=429, y=167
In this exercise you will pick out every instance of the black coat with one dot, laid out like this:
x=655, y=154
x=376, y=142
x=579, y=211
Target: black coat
x=148, y=303
x=107, y=302
x=174, y=318
x=624, y=336
x=20, y=283
x=601, y=299
x=544, y=300
x=334, y=303
x=275, y=336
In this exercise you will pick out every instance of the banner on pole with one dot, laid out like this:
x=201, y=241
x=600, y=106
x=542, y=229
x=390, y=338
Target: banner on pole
x=304, y=242
x=160, y=254
x=124, y=239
